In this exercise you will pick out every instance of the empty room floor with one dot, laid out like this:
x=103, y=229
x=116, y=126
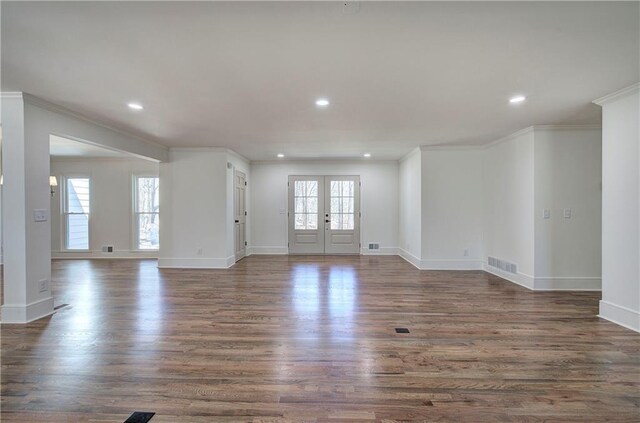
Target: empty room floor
x=312, y=339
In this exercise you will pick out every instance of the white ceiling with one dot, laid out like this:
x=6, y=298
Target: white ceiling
x=398, y=75
x=63, y=147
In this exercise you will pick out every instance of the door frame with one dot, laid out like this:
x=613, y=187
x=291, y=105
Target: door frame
x=322, y=196
x=239, y=216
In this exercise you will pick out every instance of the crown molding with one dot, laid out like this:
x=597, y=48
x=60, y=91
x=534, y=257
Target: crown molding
x=409, y=154
x=618, y=94
x=509, y=137
x=52, y=107
x=577, y=127
x=11, y=94
x=454, y=147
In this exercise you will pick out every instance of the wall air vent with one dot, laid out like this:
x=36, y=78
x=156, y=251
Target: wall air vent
x=374, y=246
x=502, y=265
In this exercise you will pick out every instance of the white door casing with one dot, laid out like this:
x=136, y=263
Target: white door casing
x=240, y=214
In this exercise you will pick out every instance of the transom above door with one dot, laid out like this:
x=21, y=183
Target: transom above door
x=324, y=214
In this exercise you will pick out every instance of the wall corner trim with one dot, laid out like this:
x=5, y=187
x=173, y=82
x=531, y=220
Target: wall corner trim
x=620, y=315
x=617, y=94
x=27, y=313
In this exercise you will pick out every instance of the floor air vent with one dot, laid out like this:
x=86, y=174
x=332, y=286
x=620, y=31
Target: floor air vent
x=140, y=417
x=402, y=330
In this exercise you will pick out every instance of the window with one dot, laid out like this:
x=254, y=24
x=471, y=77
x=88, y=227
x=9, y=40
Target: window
x=76, y=210
x=342, y=202
x=306, y=205
x=147, y=212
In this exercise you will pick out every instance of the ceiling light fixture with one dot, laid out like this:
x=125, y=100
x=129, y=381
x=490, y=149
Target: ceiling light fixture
x=367, y=155
x=135, y=106
x=517, y=99
x=322, y=102
x=280, y=155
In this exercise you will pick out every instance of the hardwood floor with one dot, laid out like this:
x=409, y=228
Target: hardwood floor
x=311, y=339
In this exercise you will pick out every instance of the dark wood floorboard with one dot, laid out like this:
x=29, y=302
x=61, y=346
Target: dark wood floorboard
x=311, y=339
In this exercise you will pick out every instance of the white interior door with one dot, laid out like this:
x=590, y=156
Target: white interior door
x=240, y=212
x=306, y=205
x=324, y=214
x=342, y=215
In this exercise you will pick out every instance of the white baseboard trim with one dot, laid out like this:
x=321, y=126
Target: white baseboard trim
x=620, y=315
x=383, y=251
x=451, y=264
x=568, y=284
x=98, y=254
x=195, y=263
x=521, y=279
x=409, y=257
x=231, y=260
x=27, y=313
x=269, y=250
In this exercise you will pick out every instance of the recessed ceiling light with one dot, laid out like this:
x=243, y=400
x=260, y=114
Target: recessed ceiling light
x=367, y=154
x=517, y=99
x=322, y=102
x=135, y=106
x=280, y=155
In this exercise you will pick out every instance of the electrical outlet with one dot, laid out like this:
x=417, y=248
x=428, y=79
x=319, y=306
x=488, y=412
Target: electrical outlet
x=199, y=252
x=43, y=285
x=466, y=252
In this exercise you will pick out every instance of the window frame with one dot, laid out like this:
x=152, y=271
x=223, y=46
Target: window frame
x=65, y=213
x=135, y=236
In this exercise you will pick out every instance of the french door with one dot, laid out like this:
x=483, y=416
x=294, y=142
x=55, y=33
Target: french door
x=324, y=214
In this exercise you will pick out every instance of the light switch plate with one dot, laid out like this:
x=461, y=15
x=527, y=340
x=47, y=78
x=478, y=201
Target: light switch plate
x=546, y=214
x=567, y=213
x=40, y=215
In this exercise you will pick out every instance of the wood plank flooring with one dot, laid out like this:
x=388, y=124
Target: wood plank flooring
x=311, y=339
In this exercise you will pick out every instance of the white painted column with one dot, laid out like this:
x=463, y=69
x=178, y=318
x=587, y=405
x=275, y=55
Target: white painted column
x=26, y=243
x=621, y=207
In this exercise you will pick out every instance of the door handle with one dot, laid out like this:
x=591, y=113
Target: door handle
x=237, y=221
x=327, y=221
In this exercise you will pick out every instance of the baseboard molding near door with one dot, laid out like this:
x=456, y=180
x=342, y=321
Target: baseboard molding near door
x=267, y=250
x=99, y=254
x=196, y=263
x=382, y=251
x=27, y=313
x=620, y=315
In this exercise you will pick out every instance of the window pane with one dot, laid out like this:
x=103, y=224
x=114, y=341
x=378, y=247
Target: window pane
x=148, y=195
x=306, y=221
x=347, y=188
x=312, y=205
x=346, y=205
x=148, y=231
x=78, y=231
x=300, y=203
x=78, y=196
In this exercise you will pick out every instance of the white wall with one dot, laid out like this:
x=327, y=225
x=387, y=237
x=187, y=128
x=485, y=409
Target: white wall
x=621, y=207
x=568, y=175
x=451, y=208
x=508, y=181
x=111, y=221
x=410, y=208
x=379, y=201
x=193, y=200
